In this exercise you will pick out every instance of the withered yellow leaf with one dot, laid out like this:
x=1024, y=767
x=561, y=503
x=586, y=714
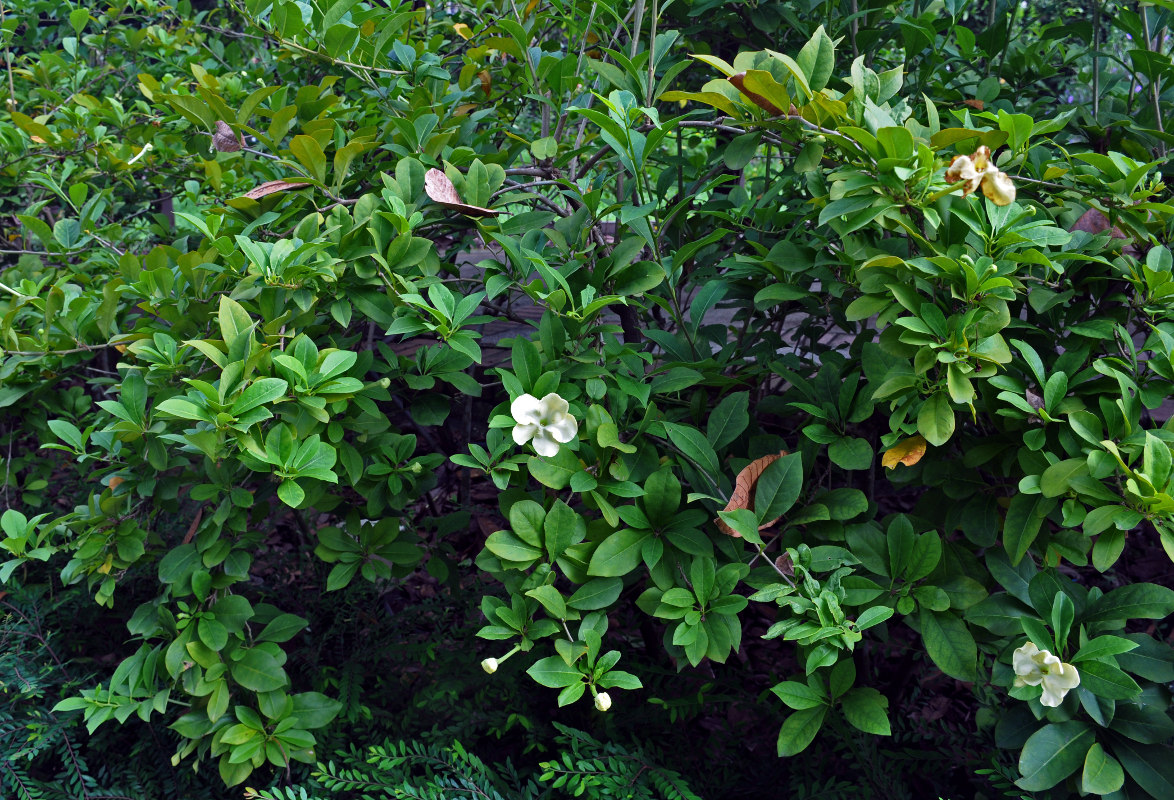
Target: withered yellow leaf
x=907, y=451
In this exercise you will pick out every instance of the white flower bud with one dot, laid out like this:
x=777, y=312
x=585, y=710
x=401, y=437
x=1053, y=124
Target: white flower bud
x=603, y=701
x=489, y=665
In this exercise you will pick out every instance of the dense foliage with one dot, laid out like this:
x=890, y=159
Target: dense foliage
x=813, y=360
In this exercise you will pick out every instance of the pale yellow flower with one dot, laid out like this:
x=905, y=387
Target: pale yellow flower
x=1035, y=667
x=603, y=701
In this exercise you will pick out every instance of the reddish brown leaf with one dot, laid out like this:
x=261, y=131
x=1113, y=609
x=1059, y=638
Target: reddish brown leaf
x=225, y=140
x=440, y=190
x=272, y=187
x=743, y=496
x=975, y=104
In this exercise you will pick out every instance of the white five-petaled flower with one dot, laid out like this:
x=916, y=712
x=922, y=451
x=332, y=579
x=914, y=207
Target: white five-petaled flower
x=977, y=170
x=603, y=701
x=1034, y=667
x=547, y=421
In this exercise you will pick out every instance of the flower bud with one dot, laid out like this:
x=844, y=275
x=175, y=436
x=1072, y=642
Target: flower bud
x=384, y=383
x=489, y=665
x=603, y=701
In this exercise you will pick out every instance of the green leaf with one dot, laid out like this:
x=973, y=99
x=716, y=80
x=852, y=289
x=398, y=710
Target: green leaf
x=314, y=709
x=259, y=671
x=554, y=673
x=866, y=709
x=618, y=554
x=1025, y=516
x=798, y=696
x=557, y=471
x=1107, y=681
x=695, y=447
x=662, y=497
x=935, y=420
x=563, y=528
x=817, y=59
x=309, y=154
x=551, y=599
x=179, y=563
x=728, y=420
x=291, y=493
x=1149, y=765
x=799, y=730
x=509, y=547
x=259, y=392
x=851, y=452
x=1052, y=754
x=1136, y=601
x=282, y=628
x=950, y=644
x=1102, y=773
x=596, y=594
x=778, y=487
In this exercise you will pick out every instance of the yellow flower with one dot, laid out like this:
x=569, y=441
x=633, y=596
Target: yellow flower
x=1035, y=667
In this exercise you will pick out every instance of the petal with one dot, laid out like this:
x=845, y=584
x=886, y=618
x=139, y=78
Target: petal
x=526, y=409
x=1052, y=696
x=960, y=168
x=981, y=158
x=553, y=405
x=1066, y=677
x=564, y=428
x=1022, y=659
x=999, y=188
x=544, y=445
x=524, y=433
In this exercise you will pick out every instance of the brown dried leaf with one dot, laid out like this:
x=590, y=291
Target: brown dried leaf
x=440, y=190
x=975, y=104
x=739, y=82
x=272, y=187
x=743, y=496
x=486, y=81
x=1094, y=221
x=225, y=139
x=907, y=451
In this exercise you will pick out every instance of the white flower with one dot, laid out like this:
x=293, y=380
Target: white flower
x=546, y=421
x=1034, y=667
x=489, y=665
x=603, y=701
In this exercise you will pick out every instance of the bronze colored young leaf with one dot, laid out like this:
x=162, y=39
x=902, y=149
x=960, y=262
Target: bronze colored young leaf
x=272, y=187
x=440, y=190
x=743, y=496
x=907, y=451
